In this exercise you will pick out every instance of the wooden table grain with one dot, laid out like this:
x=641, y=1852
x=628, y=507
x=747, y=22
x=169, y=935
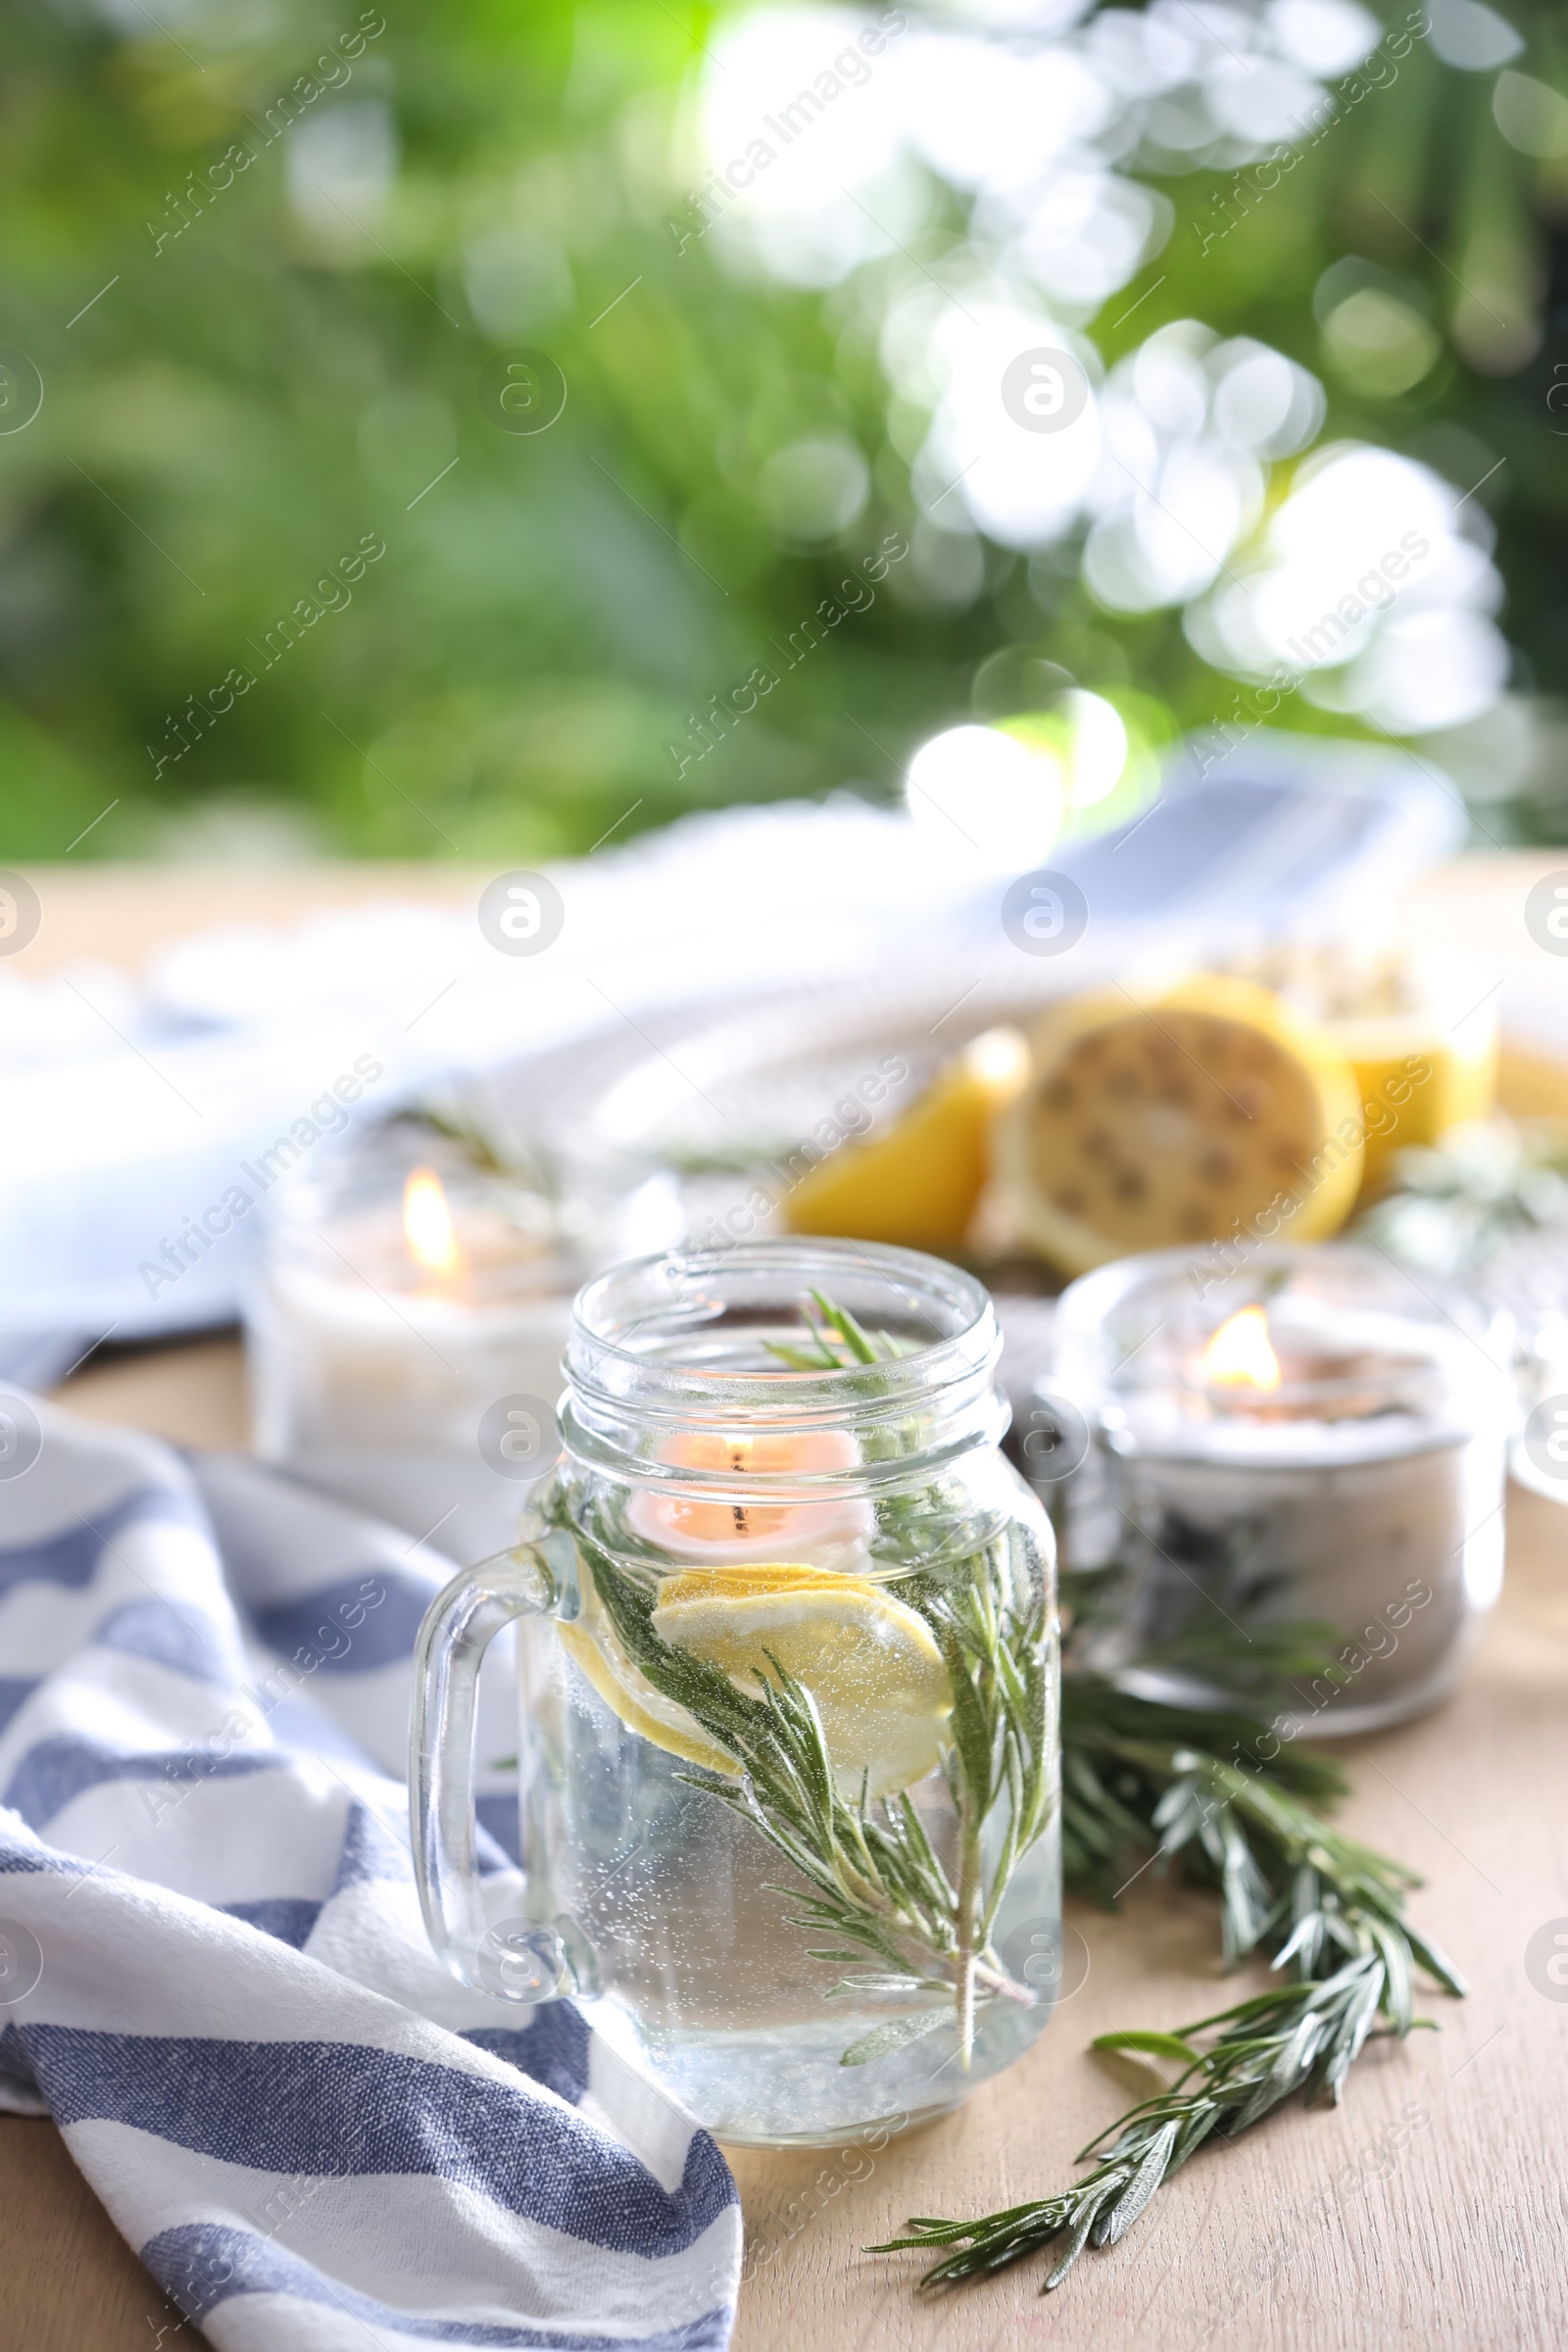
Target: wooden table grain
x=1429, y=2212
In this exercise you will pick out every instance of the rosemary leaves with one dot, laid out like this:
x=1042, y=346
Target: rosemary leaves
x=1143, y=1782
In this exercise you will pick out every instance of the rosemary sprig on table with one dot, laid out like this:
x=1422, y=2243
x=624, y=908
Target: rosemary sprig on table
x=873, y=1882
x=1144, y=1783
x=1295, y=2037
x=1147, y=1781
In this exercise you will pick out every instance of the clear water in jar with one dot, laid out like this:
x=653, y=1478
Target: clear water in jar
x=686, y=1928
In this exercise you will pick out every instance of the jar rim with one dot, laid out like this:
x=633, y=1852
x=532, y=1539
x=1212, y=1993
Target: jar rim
x=1426, y=1302
x=928, y=1281
x=622, y=1320
x=1407, y=1344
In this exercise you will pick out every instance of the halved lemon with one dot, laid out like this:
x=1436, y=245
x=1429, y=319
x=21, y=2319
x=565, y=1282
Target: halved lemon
x=1212, y=1110
x=870, y=1662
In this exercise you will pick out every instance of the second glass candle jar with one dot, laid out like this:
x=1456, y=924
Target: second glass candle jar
x=1312, y=1438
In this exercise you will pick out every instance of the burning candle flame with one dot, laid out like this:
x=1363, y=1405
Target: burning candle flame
x=1239, y=1355
x=428, y=1223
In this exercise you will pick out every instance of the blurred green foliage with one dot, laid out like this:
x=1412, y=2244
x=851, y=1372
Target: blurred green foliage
x=239, y=393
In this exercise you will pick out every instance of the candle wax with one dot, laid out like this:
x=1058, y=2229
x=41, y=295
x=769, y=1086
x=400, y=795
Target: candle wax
x=371, y=1373
x=731, y=1525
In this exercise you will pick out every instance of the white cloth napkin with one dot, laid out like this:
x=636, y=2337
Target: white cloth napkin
x=132, y=1110
x=213, y=1970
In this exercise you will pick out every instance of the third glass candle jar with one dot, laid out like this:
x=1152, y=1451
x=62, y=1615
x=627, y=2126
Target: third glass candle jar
x=1312, y=1437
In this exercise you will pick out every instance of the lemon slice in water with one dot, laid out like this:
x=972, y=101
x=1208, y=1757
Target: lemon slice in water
x=870, y=1662
x=594, y=1646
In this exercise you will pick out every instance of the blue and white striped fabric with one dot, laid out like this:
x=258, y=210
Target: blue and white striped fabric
x=213, y=1971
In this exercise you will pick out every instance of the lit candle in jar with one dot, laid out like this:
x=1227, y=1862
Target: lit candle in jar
x=1241, y=1355
x=1330, y=1451
x=427, y=1224
x=395, y=1313
x=1317, y=1380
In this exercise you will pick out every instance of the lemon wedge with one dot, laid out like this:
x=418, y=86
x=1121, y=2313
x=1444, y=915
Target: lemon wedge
x=1415, y=1083
x=1419, y=1029
x=1531, y=1085
x=919, y=1184
x=870, y=1662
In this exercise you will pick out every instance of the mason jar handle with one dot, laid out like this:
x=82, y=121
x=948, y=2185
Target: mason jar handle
x=459, y=1627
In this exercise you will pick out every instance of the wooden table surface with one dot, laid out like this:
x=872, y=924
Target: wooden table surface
x=1430, y=2210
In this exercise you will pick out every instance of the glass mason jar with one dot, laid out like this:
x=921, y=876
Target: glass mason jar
x=789, y=1696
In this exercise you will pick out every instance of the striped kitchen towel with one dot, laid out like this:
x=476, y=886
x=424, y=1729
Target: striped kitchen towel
x=213, y=1971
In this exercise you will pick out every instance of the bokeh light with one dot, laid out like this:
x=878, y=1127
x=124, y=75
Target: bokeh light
x=1372, y=587
x=985, y=798
x=786, y=259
